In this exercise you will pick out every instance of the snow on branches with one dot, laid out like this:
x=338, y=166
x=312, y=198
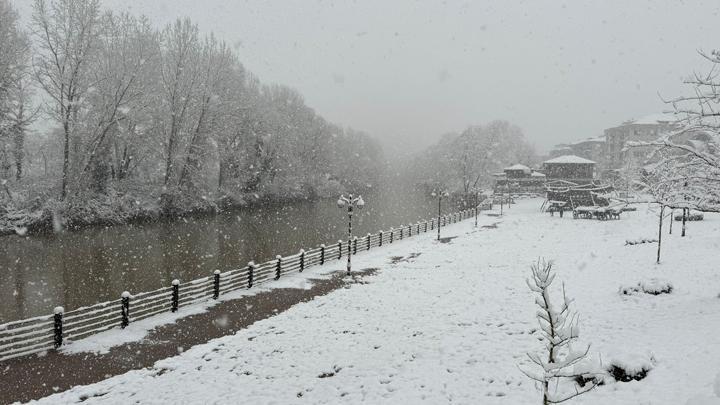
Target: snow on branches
x=688, y=157
x=557, y=369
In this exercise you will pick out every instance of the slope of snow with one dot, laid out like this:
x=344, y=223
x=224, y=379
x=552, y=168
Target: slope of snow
x=452, y=324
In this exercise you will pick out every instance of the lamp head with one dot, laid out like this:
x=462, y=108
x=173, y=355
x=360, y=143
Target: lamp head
x=341, y=203
x=360, y=202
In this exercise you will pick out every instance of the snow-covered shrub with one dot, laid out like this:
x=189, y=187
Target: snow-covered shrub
x=630, y=366
x=692, y=216
x=639, y=241
x=654, y=286
x=561, y=368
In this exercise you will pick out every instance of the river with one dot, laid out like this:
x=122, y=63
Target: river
x=74, y=269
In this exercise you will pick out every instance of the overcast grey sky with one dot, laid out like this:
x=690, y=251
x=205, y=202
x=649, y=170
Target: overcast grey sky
x=412, y=70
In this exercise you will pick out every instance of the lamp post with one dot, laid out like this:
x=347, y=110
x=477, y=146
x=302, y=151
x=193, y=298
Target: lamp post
x=350, y=202
x=502, y=196
x=439, y=195
x=477, y=193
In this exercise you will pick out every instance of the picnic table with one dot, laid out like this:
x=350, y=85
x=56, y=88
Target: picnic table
x=556, y=206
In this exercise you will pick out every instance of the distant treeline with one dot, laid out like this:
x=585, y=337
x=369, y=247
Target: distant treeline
x=461, y=163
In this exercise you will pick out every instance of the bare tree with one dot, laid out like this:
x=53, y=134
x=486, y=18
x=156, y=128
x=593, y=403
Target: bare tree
x=64, y=32
x=216, y=70
x=180, y=53
x=119, y=68
x=15, y=114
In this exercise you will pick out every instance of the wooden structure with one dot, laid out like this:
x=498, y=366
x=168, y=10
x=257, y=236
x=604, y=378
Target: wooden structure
x=570, y=168
x=585, y=201
x=519, y=179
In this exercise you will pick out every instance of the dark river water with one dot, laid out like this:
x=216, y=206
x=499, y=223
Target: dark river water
x=74, y=269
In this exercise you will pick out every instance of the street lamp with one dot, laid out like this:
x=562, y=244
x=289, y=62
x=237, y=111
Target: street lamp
x=439, y=195
x=477, y=194
x=350, y=202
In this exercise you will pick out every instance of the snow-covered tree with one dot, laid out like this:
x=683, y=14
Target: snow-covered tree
x=15, y=94
x=555, y=368
x=691, y=153
x=467, y=160
x=65, y=33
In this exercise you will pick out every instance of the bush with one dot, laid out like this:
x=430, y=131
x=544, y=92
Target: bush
x=653, y=286
x=692, y=216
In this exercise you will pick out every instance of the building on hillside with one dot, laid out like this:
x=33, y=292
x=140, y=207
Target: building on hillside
x=645, y=129
x=519, y=179
x=569, y=168
x=560, y=150
x=591, y=149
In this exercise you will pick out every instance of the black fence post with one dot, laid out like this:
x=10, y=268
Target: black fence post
x=432, y=224
x=402, y=230
x=381, y=237
x=392, y=234
x=355, y=245
x=339, y=249
x=322, y=254
x=368, y=242
x=216, y=284
x=58, y=326
x=302, y=260
x=409, y=230
x=278, y=267
x=125, y=309
x=175, y=295
x=251, y=271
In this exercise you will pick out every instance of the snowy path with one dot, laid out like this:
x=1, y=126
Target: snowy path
x=451, y=324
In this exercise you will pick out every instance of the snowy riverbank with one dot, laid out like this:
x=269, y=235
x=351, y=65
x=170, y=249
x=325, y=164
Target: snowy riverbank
x=444, y=322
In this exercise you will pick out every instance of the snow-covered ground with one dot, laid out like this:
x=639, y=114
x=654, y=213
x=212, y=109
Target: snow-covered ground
x=454, y=323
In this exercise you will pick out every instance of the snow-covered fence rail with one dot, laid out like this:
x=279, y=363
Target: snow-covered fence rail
x=43, y=333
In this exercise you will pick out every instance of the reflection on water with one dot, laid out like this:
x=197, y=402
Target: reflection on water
x=81, y=268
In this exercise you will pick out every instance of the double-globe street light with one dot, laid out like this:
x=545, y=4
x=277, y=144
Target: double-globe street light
x=439, y=195
x=350, y=202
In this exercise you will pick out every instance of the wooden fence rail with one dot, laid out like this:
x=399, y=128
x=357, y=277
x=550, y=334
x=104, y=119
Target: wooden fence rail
x=42, y=333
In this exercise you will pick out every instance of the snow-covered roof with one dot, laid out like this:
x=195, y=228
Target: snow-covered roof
x=537, y=174
x=653, y=119
x=519, y=167
x=569, y=159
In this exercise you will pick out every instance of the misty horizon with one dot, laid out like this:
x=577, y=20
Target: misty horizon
x=409, y=72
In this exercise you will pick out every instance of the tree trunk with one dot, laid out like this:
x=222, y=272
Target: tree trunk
x=672, y=217
x=221, y=172
x=19, y=143
x=662, y=211
x=66, y=160
x=684, y=220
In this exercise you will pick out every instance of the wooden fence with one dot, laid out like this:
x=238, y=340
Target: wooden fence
x=43, y=333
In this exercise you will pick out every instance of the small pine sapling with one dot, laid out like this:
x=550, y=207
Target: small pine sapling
x=556, y=368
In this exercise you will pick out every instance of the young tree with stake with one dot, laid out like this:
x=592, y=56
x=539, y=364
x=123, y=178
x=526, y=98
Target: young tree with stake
x=555, y=368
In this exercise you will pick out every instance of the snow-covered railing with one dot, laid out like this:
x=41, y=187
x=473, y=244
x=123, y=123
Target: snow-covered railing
x=43, y=333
